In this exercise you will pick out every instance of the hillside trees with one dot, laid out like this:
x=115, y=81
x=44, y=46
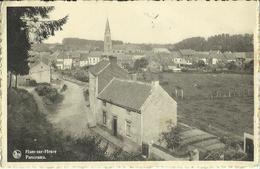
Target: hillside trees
x=222, y=42
x=140, y=63
x=27, y=25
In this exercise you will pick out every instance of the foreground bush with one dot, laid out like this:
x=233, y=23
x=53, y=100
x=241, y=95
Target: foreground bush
x=45, y=90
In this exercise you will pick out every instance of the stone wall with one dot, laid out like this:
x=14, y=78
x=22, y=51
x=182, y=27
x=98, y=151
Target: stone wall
x=122, y=116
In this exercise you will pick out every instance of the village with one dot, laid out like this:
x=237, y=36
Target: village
x=142, y=101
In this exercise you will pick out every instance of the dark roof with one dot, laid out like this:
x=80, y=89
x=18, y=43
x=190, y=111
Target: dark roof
x=43, y=61
x=126, y=93
x=108, y=73
x=95, y=70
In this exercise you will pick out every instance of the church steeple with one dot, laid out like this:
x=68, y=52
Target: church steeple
x=107, y=40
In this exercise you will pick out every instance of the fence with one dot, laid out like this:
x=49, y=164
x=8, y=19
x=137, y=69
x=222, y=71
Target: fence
x=231, y=93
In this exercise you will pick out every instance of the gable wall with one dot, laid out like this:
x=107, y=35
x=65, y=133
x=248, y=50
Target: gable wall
x=158, y=109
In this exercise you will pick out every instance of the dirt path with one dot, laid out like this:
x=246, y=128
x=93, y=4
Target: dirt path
x=71, y=116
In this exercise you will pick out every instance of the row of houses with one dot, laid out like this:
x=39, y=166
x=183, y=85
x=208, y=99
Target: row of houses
x=187, y=58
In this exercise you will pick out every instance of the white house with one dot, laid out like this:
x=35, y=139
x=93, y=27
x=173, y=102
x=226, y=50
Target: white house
x=40, y=72
x=94, y=57
x=64, y=61
x=83, y=60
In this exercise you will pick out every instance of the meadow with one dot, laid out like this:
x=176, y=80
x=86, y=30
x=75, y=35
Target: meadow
x=229, y=114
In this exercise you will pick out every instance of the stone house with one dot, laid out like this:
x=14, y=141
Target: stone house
x=128, y=109
x=40, y=72
x=135, y=110
x=99, y=76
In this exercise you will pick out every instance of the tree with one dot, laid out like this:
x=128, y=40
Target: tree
x=222, y=42
x=27, y=25
x=140, y=63
x=172, y=137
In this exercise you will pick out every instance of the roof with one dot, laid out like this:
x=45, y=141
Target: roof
x=95, y=54
x=126, y=93
x=161, y=50
x=187, y=51
x=95, y=70
x=216, y=54
x=44, y=63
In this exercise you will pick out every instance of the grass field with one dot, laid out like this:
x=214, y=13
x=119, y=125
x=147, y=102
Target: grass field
x=230, y=116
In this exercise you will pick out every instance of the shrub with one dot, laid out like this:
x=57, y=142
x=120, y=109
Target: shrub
x=32, y=83
x=48, y=92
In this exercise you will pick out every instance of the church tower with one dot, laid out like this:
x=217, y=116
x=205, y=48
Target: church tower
x=107, y=40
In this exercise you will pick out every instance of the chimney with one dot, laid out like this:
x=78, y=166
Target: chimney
x=113, y=59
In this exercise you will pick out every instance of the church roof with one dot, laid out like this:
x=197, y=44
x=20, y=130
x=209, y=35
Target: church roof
x=107, y=30
x=126, y=93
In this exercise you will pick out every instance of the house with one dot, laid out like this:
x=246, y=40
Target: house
x=99, y=76
x=124, y=60
x=127, y=108
x=201, y=56
x=130, y=109
x=215, y=57
x=161, y=50
x=229, y=57
x=94, y=57
x=64, y=61
x=40, y=72
x=173, y=67
x=187, y=52
x=83, y=60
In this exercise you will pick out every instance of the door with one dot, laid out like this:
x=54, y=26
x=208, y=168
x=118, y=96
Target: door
x=114, y=126
x=250, y=149
x=145, y=150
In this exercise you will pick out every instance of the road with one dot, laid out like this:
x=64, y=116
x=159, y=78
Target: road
x=71, y=114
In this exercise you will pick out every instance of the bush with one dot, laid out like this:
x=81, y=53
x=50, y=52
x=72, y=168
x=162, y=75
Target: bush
x=32, y=83
x=45, y=90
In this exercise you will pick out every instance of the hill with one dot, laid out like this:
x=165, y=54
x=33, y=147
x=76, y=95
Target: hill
x=76, y=43
x=222, y=42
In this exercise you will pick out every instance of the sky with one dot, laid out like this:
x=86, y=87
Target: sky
x=154, y=22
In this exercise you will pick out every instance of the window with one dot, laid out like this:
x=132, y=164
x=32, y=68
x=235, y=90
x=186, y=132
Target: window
x=104, y=117
x=128, y=128
x=104, y=103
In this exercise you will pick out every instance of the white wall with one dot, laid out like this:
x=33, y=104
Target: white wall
x=41, y=73
x=122, y=116
x=93, y=87
x=158, y=109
